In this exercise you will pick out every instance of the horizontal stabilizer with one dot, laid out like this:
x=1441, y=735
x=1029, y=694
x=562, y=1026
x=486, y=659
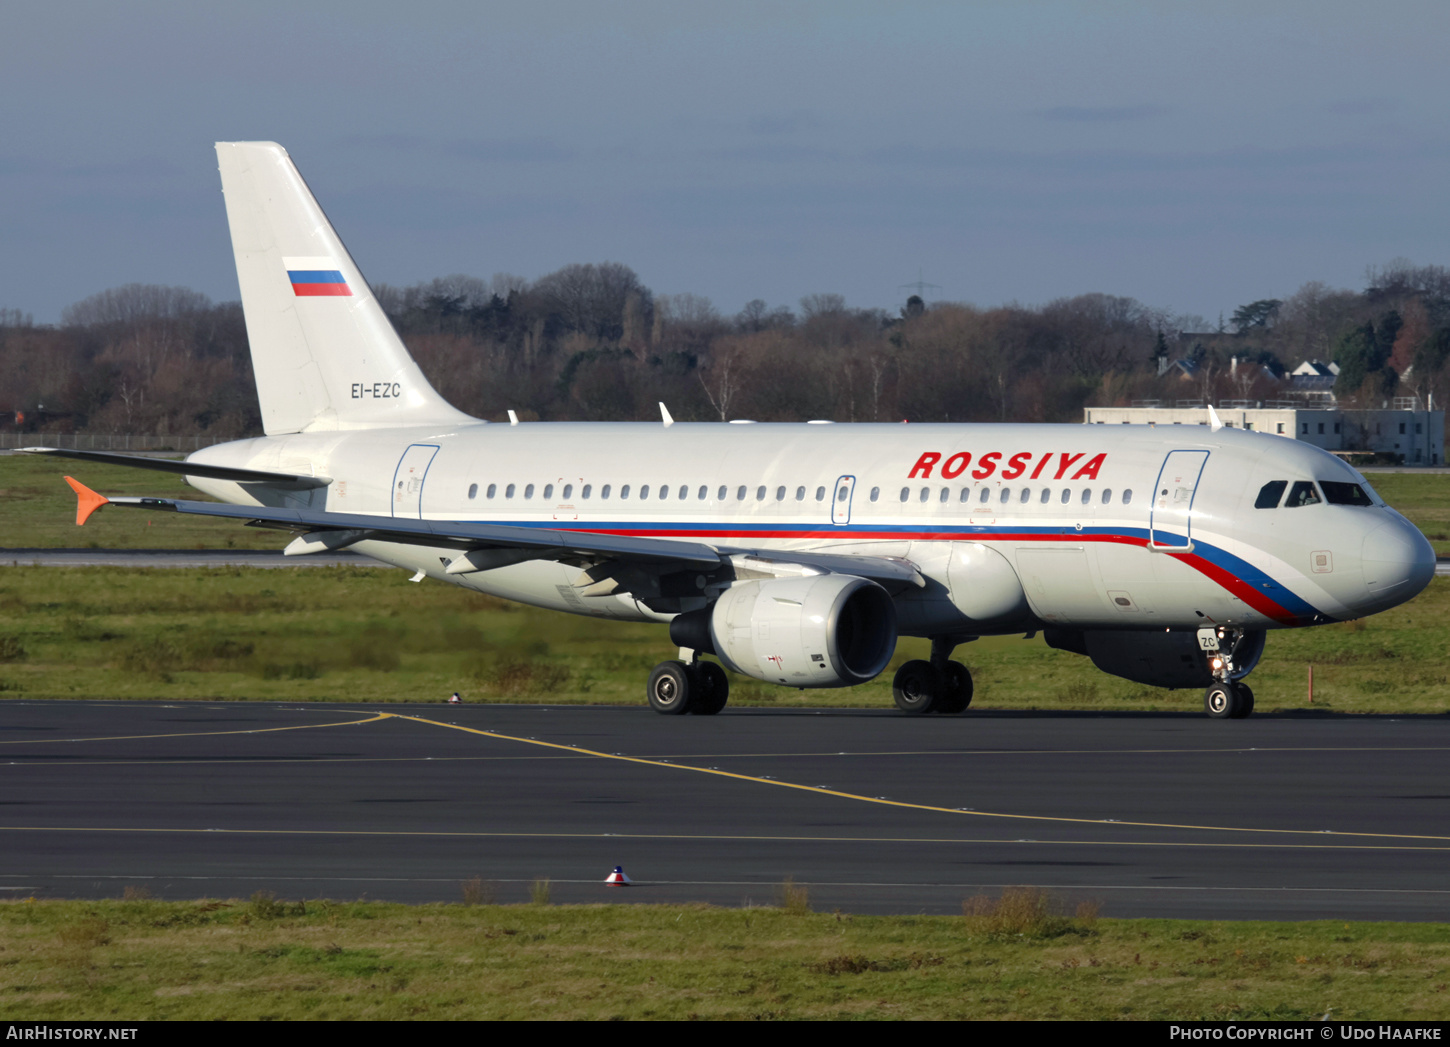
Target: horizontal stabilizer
x=170, y=465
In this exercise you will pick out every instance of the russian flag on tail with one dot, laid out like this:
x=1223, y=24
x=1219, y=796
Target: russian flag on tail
x=312, y=277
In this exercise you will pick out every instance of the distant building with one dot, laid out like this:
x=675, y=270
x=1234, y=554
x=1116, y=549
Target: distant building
x=1404, y=431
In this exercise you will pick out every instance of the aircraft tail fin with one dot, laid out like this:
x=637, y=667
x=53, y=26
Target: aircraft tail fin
x=324, y=353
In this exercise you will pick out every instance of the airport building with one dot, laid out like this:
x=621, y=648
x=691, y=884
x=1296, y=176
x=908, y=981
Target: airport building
x=1404, y=430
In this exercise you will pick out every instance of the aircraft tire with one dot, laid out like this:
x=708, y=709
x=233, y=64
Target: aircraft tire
x=714, y=689
x=918, y=687
x=669, y=689
x=1221, y=701
x=1246, y=702
x=958, y=694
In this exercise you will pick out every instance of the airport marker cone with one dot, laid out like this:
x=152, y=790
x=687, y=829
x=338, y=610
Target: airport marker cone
x=618, y=877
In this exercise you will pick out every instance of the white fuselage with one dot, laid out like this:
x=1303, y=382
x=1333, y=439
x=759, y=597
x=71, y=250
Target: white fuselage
x=1013, y=526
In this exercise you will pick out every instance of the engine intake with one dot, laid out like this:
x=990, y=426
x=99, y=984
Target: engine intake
x=829, y=630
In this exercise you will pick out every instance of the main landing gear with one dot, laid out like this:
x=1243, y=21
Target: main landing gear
x=1226, y=698
x=695, y=687
x=937, y=686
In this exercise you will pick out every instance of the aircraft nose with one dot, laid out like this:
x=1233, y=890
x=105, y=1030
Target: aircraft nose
x=1398, y=563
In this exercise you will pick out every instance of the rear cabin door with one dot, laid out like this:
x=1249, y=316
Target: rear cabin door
x=408, y=480
x=1171, y=522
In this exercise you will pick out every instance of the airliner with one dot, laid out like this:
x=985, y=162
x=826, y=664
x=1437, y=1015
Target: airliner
x=795, y=554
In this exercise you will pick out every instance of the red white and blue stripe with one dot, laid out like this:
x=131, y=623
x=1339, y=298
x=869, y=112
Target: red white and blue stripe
x=316, y=277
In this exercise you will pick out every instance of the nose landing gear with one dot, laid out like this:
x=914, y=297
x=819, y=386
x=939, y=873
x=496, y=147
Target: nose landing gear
x=1228, y=698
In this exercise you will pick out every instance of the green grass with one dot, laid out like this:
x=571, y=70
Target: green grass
x=38, y=510
x=273, y=959
x=369, y=635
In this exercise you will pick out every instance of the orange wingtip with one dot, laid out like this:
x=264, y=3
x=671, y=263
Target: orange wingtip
x=88, y=502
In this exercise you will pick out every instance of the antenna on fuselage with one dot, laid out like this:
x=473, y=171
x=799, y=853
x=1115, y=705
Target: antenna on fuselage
x=1215, y=423
x=665, y=415
x=513, y=418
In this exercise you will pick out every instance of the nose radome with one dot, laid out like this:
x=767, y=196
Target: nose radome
x=1398, y=562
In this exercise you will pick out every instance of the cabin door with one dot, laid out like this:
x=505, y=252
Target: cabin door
x=408, y=480
x=1171, y=522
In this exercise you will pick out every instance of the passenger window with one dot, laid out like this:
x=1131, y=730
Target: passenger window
x=820, y=494
x=492, y=490
x=643, y=492
x=664, y=492
x=529, y=491
x=946, y=492
x=966, y=494
x=780, y=494
x=925, y=495
x=1087, y=496
x=1107, y=497
x=472, y=491
x=624, y=491
x=568, y=491
x=1301, y=494
x=986, y=494
x=508, y=491
x=721, y=493
x=587, y=489
x=1026, y=495
x=1066, y=495
x=604, y=492
x=1006, y=495
x=875, y=493
x=703, y=493
x=800, y=494
x=905, y=493
x=1270, y=494
x=843, y=493
x=1046, y=495
x=684, y=492
x=740, y=493
x=760, y=494
x=1127, y=497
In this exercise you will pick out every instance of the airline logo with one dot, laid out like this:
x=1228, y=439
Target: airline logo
x=316, y=277
x=1053, y=465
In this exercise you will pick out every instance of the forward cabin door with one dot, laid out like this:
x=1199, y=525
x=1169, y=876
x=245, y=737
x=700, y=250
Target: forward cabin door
x=841, y=501
x=1170, y=525
x=408, y=480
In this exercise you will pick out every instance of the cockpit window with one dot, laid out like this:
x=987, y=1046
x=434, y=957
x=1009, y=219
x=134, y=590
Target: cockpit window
x=1338, y=493
x=1302, y=493
x=1270, y=494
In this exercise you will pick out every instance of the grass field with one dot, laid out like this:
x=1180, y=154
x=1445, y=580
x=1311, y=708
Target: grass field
x=368, y=634
x=364, y=634
x=1012, y=959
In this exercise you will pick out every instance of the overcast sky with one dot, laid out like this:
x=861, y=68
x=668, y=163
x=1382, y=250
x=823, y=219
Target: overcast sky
x=1195, y=156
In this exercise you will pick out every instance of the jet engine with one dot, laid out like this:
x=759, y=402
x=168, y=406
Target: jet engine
x=1158, y=659
x=830, y=630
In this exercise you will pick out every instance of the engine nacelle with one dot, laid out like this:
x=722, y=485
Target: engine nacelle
x=830, y=630
x=1158, y=659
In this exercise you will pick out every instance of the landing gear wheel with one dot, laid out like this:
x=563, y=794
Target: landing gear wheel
x=669, y=688
x=1228, y=701
x=714, y=689
x=958, y=693
x=918, y=687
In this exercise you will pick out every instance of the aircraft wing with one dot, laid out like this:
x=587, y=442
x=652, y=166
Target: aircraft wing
x=482, y=546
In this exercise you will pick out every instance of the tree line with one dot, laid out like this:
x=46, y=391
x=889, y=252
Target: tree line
x=592, y=342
